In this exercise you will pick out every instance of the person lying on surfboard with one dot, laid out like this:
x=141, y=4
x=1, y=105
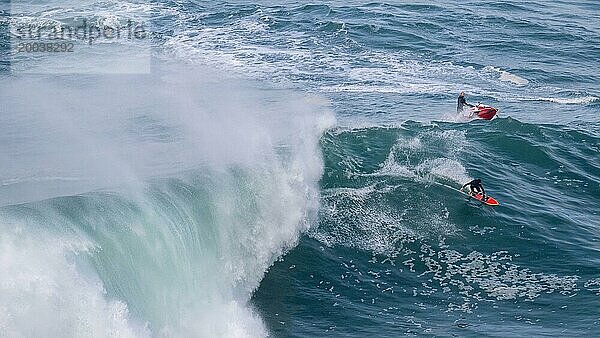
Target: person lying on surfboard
x=475, y=187
x=462, y=102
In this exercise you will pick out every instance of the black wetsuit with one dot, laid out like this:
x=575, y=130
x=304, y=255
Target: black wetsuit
x=475, y=187
x=462, y=102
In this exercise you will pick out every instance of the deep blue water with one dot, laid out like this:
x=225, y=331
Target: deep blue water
x=283, y=170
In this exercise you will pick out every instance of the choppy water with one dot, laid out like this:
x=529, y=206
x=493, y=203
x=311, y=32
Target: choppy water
x=281, y=172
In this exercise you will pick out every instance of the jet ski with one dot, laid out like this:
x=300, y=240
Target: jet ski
x=482, y=111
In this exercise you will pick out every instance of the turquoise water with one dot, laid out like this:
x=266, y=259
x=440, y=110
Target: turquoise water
x=283, y=170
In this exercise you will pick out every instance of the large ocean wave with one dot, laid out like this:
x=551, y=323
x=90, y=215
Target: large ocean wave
x=221, y=181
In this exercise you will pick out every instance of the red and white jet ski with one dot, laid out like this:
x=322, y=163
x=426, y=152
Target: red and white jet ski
x=482, y=111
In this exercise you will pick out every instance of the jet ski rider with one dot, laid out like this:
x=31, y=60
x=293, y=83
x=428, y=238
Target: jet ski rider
x=462, y=102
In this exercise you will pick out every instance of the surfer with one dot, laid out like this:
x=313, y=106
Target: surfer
x=462, y=102
x=475, y=187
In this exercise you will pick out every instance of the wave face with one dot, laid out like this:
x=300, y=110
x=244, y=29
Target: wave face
x=396, y=248
x=217, y=196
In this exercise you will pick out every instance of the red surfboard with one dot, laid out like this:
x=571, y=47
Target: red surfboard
x=488, y=199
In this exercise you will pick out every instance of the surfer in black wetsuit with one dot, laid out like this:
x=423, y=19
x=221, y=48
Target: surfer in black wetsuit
x=475, y=187
x=462, y=102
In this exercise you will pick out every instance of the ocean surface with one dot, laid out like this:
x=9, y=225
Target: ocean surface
x=284, y=169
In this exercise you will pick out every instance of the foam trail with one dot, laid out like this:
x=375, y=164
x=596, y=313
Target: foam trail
x=565, y=100
x=406, y=158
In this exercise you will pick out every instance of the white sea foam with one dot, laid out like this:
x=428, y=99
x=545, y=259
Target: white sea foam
x=445, y=168
x=45, y=293
x=400, y=88
x=565, y=100
x=507, y=76
x=362, y=218
x=400, y=159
